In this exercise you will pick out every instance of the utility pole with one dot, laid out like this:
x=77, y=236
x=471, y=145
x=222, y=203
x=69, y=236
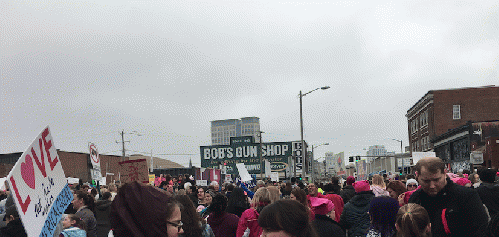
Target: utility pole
x=303, y=150
x=123, y=143
x=261, y=153
x=152, y=163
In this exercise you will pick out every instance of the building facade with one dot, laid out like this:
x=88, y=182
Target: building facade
x=78, y=165
x=455, y=146
x=223, y=130
x=439, y=111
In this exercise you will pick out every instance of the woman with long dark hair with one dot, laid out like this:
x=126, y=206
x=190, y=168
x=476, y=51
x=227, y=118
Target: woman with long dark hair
x=142, y=210
x=222, y=223
x=383, y=213
x=286, y=218
x=193, y=224
x=238, y=202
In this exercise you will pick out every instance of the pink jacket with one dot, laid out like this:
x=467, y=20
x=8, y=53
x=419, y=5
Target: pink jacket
x=249, y=219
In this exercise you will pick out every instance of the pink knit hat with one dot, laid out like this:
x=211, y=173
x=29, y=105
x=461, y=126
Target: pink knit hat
x=361, y=186
x=321, y=206
x=461, y=181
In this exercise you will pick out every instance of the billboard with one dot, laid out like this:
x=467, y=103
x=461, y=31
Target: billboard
x=245, y=150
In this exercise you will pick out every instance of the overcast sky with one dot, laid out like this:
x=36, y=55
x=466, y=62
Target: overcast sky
x=165, y=69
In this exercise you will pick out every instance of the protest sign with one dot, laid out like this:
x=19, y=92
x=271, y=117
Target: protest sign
x=134, y=170
x=245, y=176
x=151, y=178
x=203, y=183
x=39, y=186
x=274, y=177
x=94, y=157
x=73, y=180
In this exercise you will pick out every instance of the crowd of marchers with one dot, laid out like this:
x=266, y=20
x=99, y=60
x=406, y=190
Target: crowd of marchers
x=430, y=202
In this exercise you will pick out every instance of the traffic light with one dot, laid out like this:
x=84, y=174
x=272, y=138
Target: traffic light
x=358, y=157
x=225, y=163
x=350, y=159
x=300, y=177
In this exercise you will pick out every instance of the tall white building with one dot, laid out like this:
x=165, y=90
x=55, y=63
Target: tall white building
x=329, y=162
x=335, y=163
x=223, y=130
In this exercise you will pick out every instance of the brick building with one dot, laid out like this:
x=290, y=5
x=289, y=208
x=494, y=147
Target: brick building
x=78, y=165
x=440, y=111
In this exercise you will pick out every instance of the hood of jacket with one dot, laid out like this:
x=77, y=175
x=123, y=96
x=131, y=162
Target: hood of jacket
x=102, y=205
x=362, y=199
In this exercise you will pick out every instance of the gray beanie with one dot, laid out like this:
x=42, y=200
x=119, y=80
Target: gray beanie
x=411, y=181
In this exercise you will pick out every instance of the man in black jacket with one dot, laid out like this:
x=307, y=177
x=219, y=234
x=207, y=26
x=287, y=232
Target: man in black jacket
x=462, y=207
x=354, y=217
x=348, y=191
x=489, y=191
x=102, y=210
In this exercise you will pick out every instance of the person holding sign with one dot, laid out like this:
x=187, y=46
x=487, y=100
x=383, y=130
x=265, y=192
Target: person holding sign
x=14, y=226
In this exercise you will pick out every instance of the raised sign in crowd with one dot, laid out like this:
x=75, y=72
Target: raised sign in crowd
x=431, y=202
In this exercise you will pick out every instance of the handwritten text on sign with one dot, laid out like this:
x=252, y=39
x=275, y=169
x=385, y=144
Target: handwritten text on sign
x=61, y=203
x=134, y=170
x=36, y=180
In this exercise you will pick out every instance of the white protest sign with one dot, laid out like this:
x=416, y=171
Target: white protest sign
x=416, y=156
x=274, y=177
x=243, y=172
x=228, y=178
x=476, y=157
x=39, y=186
x=203, y=183
x=268, y=171
x=73, y=180
x=94, y=157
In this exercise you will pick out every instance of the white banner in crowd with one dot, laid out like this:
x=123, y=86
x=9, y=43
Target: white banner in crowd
x=94, y=157
x=274, y=177
x=39, y=186
x=243, y=172
x=416, y=156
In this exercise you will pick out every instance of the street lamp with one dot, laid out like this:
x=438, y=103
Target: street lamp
x=400, y=153
x=303, y=149
x=313, y=154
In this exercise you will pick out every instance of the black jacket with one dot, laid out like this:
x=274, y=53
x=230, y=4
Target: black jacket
x=347, y=193
x=466, y=214
x=354, y=217
x=102, y=210
x=327, y=227
x=15, y=228
x=489, y=194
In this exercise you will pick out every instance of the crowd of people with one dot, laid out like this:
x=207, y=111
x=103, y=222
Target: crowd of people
x=430, y=202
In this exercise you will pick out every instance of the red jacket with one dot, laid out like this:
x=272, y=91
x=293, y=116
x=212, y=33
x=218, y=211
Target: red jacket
x=249, y=219
x=338, y=205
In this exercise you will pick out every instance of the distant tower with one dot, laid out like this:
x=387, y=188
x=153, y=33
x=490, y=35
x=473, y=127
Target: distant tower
x=190, y=163
x=223, y=130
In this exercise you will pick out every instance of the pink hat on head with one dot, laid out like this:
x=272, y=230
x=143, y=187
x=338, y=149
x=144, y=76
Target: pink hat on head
x=461, y=181
x=361, y=186
x=321, y=206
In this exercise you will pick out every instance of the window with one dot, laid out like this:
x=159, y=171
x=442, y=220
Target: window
x=456, y=112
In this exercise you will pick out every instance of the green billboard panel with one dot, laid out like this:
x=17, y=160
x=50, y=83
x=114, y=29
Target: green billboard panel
x=244, y=150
